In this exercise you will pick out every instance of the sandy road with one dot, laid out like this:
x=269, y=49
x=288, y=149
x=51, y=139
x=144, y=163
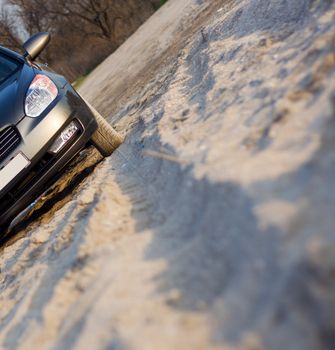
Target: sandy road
x=212, y=225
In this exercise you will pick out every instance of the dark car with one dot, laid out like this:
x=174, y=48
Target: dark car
x=44, y=123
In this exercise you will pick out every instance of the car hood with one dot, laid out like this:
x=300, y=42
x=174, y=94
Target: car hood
x=12, y=96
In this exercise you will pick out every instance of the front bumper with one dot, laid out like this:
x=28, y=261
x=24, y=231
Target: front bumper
x=38, y=135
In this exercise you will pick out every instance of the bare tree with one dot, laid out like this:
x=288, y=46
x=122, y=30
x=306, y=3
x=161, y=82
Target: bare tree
x=101, y=17
x=32, y=13
x=8, y=31
x=102, y=24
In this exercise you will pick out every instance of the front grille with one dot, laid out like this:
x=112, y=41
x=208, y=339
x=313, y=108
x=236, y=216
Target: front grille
x=9, y=140
x=9, y=198
x=38, y=170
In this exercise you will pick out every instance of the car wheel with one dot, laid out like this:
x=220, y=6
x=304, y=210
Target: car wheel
x=105, y=139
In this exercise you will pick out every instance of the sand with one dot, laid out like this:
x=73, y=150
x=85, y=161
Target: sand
x=212, y=226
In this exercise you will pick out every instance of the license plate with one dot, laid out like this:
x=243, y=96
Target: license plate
x=12, y=169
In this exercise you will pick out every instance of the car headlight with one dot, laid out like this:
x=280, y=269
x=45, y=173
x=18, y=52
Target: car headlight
x=42, y=91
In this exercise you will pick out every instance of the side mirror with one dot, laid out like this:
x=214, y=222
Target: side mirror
x=35, y=44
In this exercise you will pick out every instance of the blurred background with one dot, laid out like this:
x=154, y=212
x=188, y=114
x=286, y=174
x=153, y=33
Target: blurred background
x=84, y=32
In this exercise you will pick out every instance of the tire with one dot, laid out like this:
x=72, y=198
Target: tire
x=105, y=139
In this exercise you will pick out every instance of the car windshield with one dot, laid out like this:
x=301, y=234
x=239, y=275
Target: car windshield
x=7, y=67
